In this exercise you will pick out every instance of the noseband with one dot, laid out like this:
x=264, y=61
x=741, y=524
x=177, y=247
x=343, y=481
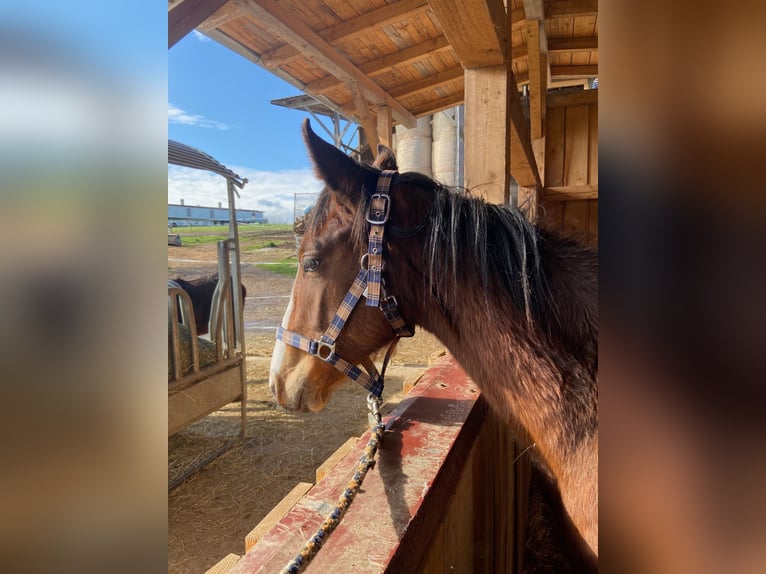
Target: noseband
x=370, y=284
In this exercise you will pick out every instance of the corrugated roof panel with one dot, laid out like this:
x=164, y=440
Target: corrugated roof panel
x=187, y=156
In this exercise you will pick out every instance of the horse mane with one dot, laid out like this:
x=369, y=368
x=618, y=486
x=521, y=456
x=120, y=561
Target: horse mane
x=469, y=238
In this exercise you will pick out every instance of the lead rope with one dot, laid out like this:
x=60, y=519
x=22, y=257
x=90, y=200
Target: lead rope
x=366, y=461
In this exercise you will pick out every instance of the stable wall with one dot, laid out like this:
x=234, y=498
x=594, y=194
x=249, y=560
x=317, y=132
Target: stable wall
x=570, y=198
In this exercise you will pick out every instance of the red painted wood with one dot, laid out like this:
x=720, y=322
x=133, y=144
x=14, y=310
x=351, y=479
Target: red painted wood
x=390, y=523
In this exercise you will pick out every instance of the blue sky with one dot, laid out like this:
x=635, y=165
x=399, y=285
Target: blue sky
x=219, y=102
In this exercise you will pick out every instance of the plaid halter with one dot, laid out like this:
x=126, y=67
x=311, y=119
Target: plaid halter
x=369, y=284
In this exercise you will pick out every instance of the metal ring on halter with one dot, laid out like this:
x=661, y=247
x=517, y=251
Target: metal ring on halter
x=322, y=346
x=363, y=260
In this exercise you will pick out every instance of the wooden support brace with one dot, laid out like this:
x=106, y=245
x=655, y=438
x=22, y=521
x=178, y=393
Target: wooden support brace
x=385, y=125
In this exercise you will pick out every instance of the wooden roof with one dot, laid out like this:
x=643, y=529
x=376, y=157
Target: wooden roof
x=359, y=56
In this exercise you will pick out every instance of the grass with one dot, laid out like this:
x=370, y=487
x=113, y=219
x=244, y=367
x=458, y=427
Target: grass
x=284, y=267
x=252, y=236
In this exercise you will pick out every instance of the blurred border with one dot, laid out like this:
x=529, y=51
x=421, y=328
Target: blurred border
x=83, y=131
x=683, y=278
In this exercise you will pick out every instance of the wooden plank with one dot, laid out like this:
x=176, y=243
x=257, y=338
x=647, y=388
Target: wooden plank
x=553, y=215
x=476, y=29
x=576, y=146
x=272, y=518
x=428, y=108
x=575, y=218
x=428, y=83
x=185, y=16
x=349, y=29
x=486, y=134
x=554, y=146
x=385, y=63
x=584, y=44
x=538, y=78
x=423, y=454
x=593, y=144
x=331, y=461
x=202, y=398
x=570, y=8
x=589, y=71
x=224, y=564
x=288, y=28
x=593, y=222
x=407, y=56
x=577, y=98
x=570, y=192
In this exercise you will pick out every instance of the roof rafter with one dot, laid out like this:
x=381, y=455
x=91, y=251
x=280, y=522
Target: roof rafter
x=388, y=14
x=292, y=30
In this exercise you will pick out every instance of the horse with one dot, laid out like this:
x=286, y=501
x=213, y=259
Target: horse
x=200, y=290
x=515, y=304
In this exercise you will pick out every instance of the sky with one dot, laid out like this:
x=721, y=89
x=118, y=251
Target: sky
x=219, y=102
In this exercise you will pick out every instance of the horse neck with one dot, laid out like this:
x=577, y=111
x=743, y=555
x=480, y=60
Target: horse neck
x=520, y=370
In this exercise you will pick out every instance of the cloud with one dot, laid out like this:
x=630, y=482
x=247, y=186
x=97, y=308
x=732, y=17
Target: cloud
x=273, y=192
x=200, y=36
x=178, y=116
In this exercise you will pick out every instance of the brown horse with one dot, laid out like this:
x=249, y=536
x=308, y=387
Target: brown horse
x=516, y=306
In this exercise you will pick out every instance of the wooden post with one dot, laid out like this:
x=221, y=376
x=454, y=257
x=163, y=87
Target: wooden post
x=487, y=137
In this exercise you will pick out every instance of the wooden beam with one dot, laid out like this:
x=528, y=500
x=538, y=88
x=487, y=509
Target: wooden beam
x=538, y=76
x=587, y=71
x=286, y=26
x=586, y=44
x=437, y=106
x=570, y=8
x=523, y=164
x=427, y=83
x=557, y=45
x=577, y=98
x=366, y=118
x=570, y=192
x=385, y=63
x=387, y=14
x=385, y=126
x=185, y=16
x=476, y=29
x=568, y=72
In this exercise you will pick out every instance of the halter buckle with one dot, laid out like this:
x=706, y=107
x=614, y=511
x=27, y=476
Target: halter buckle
x=323, y=347
x=379, y=217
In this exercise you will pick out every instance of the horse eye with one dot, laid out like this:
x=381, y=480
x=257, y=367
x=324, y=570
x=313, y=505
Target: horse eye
x=310, y=264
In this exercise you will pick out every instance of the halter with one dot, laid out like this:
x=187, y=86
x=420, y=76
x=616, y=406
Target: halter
x=370, y=284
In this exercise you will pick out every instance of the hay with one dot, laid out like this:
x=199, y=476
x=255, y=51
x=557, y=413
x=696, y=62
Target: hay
x=206, y=350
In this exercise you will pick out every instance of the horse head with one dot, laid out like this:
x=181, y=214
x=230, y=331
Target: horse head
x=330, y=257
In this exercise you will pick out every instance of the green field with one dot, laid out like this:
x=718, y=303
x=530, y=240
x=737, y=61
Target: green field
x=251, y=236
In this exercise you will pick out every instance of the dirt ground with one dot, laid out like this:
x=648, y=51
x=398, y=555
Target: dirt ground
x=211, y=512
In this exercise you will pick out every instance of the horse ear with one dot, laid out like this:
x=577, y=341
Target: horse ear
x=385, y=159
x=339, y=172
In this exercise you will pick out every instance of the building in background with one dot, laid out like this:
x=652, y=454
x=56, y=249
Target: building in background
x=185, y=215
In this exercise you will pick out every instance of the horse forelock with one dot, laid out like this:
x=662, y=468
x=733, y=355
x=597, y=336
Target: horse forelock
x=333, y=212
